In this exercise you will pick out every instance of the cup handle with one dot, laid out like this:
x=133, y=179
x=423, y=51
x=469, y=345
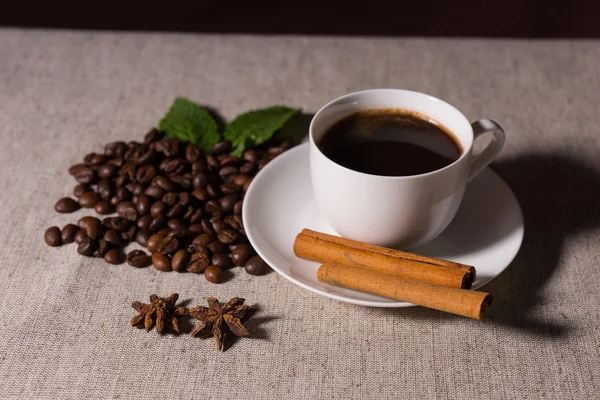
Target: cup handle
x=493, y=148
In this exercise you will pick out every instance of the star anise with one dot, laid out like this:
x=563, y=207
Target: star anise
x=217, y=319
x=157, y=312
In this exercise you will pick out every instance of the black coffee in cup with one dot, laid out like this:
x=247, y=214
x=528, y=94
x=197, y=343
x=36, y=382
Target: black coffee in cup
x=390, y=142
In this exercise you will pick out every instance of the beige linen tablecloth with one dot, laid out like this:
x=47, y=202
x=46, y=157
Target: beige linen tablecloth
x=64, y=329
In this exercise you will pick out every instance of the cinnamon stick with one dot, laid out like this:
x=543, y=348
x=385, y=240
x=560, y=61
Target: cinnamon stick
x=324, y=248
x=456, y=301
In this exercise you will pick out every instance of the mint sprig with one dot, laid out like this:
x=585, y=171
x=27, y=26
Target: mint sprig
x=189, y=122
x=255, y=127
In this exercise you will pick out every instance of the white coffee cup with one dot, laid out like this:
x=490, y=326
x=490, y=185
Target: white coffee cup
x=396, y=211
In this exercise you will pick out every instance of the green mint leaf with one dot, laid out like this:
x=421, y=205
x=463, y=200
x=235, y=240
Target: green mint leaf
x=189, y=122
x=256, y=127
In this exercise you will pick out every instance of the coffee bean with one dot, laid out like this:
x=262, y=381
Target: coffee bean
x=251, y=156
x=87, y=247
x=104, y=189
x=176, y=224
x=102, y=249
x=165, y=183
x=235, y=221
x=239, y=180
x=256, y=266
x=197, y=216
x=198, y=263
x=246, y=185
x=222, y=260
x=89, y=199
x=113, y=256
x=227, y=236
x=104, y=207
x=84, y=222
x=155, y=191
x=107, y=171
x=126, y=209
x=161, y=262
x=143, y=204
x=221, y=148
x=229, y=161
x=212, y=207
x=142, y=237
x=200, y=194
x=195, y=228
x=159, y=207
x=230, y=188
x=144, y=222
x=80, y=189
x=139, y=189
x=114, y=200
x=145, y=156
x=158, y=223
x=169, y=147
x=137, y=258
x=129, y=234
x=193, y=153
x=207, y=226
x=176, y=211
x=247, y=169
x=152, y=136
x=170, y=198
x=117, y=223
x=79, y=236
x=123, y=194
x=66, y=205
x=68, y=232
x=237, y=208
x=52, y=236
x=198, y=248
x=91, y=225
x=168, y=245
x=228, y=202
x=180, y=260
x=85, y=175
x=189, y=212
x=145, y=173
x=217, y=246
x=199, y=167
x=173, y=167
x=94, y=159
x=241, y=254
x=185, y=180
x=218, y=225
x=153, y=242
x=213, y=274
x=275, y=151
x=199, y=181
x=121, y=180
x=74, y=169
x=227, y=171
x=111, y=236
x=203, y=239
x=213, y=191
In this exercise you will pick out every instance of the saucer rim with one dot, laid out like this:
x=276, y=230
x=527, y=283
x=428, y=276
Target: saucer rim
x=368, y=303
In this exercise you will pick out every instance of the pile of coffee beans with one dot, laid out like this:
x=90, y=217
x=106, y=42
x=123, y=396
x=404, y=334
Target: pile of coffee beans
x=183, y=205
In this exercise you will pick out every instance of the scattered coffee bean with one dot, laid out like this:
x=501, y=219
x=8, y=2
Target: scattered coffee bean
x=222, y=260
x=144, y=222
x=137, y=258
x=112, y=237
x=107, y=171
x=237, y=208
x=68, y=232
x=180, y=260
x=168, y=245
x=79, y=236
x=153, y=242
x=241, y=254
x=113, y=256
x=117, y=223
x=217, y=246
x=79, y=190
x=198, y=263
x=52, y=236
x=104, y=207
x=126, y=209
x=158, y=223
x=161, y=262
x=66, y=205
x=89, y=199
x=87, y=247
x=247, y=169
x=251, y=156
x=256, y=266
x=227, y=236
x=142, y=237
x=213, y=274
x=143, y=204
x=158, y=208
x=155, y=191
x=221, y=148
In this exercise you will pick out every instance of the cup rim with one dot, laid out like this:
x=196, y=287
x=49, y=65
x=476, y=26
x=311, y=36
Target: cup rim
x=386, y=177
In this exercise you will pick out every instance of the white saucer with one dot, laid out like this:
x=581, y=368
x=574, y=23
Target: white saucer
x=487, y=231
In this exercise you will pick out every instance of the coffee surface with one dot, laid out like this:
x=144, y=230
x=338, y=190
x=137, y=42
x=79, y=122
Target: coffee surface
x=390, y=142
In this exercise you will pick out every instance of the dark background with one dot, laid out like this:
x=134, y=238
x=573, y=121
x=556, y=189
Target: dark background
x=500, y=18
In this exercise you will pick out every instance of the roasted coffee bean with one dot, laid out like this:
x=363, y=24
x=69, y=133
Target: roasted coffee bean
x=145, y=156
x=203, y=239
x=89, y=199
x=185, y=180
x=176, y=224
x=237, y=208
x=218, y=225
x=138, y=189
x=199, y=181
x=158, y=208
x=115, y=149
x=155, y=191
x=206, y=226
x=165, y=183
x=213, y=274
x=84, y=222
x=91, y=225
x=144, y=222
x=74, y=169
x=246, y=185
x=111, y=236
x=213, y=163
x=107, y=171
x=275, y=151
x=176, y=211
x=169, y=147
x=117, y=223
x=128, y=170
x=126, y=209
x=102, y=249
x=251, y=156
x=217, y=246
x=121, y=180
x=197, y=216
x=200, y=194
x=227, y=236
x=213, y=191
x=229, y=161
x=145, y=173
x=198, y=248
x=182, y=234
x=212, y=207
x=248, y=168
x=123, y=194
x=200, y=167
x=142, y=236
x=180, y=261
x=79, y=236
x=94, y=159
x=104, y=207
x=85, y=175
x=195, y=228
x=256, y=266
x=168, y=245
x=241, y=254
x=161, y=262
x=104, y=189
x=239, y=180
x=87, y=247
x=143, y=204
x=153, y=242
x=173, y=167
x=129, y=234
x=66, y=205
x=228, y=171
x=52, y=236
x=186, y=199
x=198, y=263
x=189, y=212
x=113, y=256
x=170, y=199
x=192, y=153
x=137, y=258
x=152, y=136
x=158, y=223
x=164, y=232
x=68, y=232
x=80, y=189
x=222, y=260
x=221, y=148
x=228, y=202
x=114, y=200
x=235, y=221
